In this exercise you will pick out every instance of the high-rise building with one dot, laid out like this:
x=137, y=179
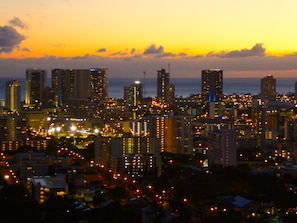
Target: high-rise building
x=133, y=93
x=134, y=156
x=222, y=146
x=13, y=95
x=173, y=133
x=221, y=140
x=295, y=92
x=212, y=92
x=83, y=90
x=165, y=90
x=78, y=84
x=59, y=86
x=268, y=89
x=212, y=85
x=35, y=83
x=99, y=87
x=48, y=99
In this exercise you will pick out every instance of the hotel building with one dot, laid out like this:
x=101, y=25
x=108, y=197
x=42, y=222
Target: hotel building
x=35, y=83
x=13, y=95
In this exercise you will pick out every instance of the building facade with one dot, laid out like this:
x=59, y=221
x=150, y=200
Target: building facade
x=268, y=89
x=59, y=86
x=212, y=92
x=165, y=90
x=133, y=94
x=35, y=83
x=212, y=85
x=13, y=95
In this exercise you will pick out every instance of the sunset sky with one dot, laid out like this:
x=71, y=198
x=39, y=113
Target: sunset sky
x=244, y=38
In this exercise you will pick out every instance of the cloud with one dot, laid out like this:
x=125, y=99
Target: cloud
x=101, y=50
x=119, y=53
x=257, y=50
x=133, y=50
x=84, y=57
x=183, y=54
x=9, y=39
x=165, y=55
x=25, y=49
x=158, y=52
x=16, y=22
x=152, y=49
x=131, y=66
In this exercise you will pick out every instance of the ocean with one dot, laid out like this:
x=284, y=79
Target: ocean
x=184, y=87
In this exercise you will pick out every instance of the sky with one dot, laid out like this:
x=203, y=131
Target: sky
x=129, y=37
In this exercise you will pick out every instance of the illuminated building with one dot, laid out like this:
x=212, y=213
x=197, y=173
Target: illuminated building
x=78, y=82
x=133, y=94
x=48, y=100
x=35, y=83
x=132, y=156
x=173, y=132
x=83, y=91
x=59, y=86
x=165, y=90
x=12, y=132
x=268, y=89
x=221, y=140
x=32, y=164
x=139, y=165
x=295, y=95
x=212, y=92
x=43, y=187
x=190, y=105
x=37, y=120
x=99, y=87
x=13, y=95
x=136, y=128
x=259, y=120
x=212, y=85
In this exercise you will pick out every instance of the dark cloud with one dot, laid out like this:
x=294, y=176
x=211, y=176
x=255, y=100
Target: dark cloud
x=119, y=53
x=26, y=49
x=86, y=56
x=101, y=50
x=158, y=52
x=16, y=22
x=131, y=66
x=9, y=39
x=133, y=50
x=182, y=54
x=161, y=55
x=152, y=49
x=257, y=50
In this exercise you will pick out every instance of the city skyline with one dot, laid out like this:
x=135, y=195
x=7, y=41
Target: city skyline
x=245, y=39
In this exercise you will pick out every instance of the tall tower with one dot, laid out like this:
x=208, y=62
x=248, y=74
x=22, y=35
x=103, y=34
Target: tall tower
x=212, y=85
x=13, y=95
x=165, y=90
x=173, y=133
x=295, y=92
x=35, y=83
x=59, y=86
x=268, y=89
x=212, y=92
x=99, y=90
x=81, y=89
x=133, y=93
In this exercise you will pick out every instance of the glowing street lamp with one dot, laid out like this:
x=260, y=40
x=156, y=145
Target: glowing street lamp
x=73, y=128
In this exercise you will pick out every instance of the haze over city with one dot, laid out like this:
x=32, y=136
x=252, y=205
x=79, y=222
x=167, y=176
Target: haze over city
x=244, y=38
